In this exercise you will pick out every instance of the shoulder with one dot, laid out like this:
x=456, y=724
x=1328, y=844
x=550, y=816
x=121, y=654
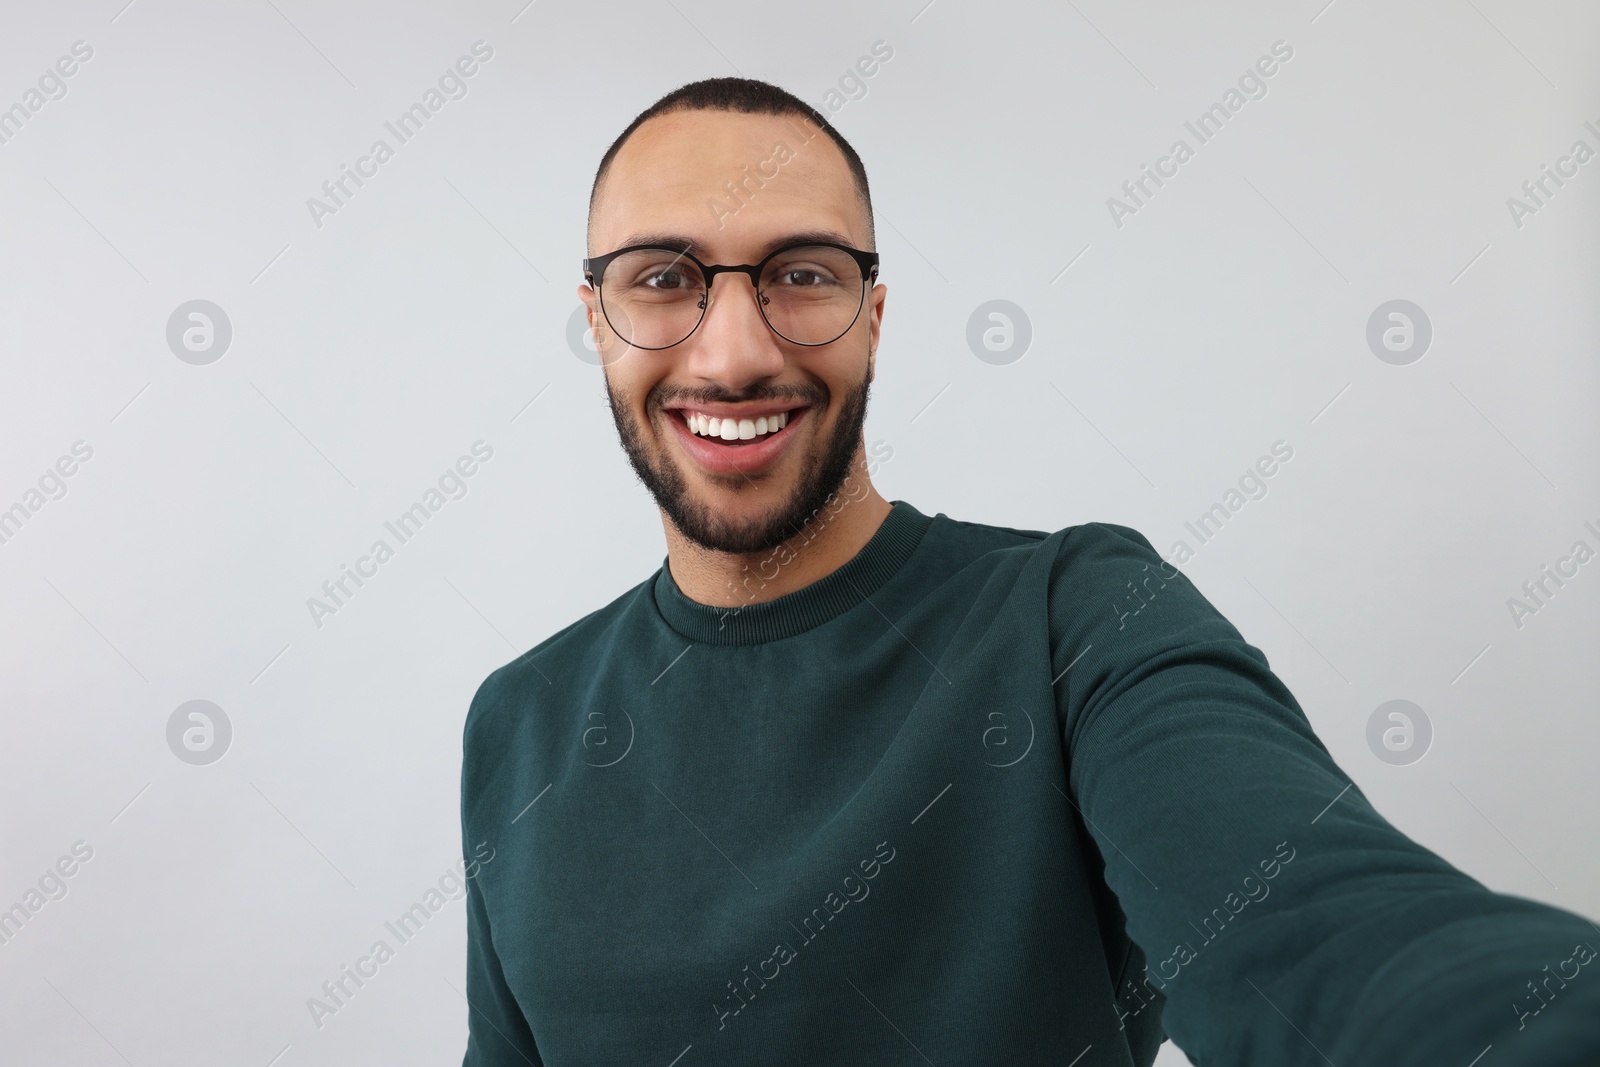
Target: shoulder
x=1086, y=555
x=966, y=543
x=988, y=534
x=1090, y=538
x=1109, y=586
x=1120, y=614
x=1100, y=554
x=1077, y=546
x=1080, y=564
x=516, y=691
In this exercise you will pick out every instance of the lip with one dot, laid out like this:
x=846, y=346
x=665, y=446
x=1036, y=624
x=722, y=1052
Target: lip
x=733, y=411
x=737, y=459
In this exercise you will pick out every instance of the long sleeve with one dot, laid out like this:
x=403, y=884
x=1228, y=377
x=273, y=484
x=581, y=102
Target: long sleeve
x=1281, y=917
x=497, y=1033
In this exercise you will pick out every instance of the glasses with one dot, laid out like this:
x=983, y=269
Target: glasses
x=654, y=298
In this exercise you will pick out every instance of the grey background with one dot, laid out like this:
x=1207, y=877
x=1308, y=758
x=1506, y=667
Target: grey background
x=431, y=311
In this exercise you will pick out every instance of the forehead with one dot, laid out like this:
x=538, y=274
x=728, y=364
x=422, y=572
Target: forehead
x=678, y=174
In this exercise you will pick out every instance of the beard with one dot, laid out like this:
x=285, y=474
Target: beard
x=825, y=467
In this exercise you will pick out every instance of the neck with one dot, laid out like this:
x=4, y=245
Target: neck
x=832, y=537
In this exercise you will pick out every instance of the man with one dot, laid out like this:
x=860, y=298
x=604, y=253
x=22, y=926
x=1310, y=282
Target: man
x=845, y=783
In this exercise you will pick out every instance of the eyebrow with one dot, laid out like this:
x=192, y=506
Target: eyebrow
x=680, y=243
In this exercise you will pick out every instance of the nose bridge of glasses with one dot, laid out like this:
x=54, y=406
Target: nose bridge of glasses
x=746, y=269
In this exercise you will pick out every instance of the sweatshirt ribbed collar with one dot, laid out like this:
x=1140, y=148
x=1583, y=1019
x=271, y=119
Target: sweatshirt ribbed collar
x=794, y=613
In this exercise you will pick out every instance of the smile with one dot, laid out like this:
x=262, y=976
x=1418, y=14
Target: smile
x=735, y=442
x=732, y=429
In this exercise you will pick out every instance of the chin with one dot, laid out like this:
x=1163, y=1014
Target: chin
x=758, y=510
x=743, y=529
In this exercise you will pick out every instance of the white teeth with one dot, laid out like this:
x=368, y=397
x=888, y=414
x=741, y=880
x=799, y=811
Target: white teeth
x=735, y=429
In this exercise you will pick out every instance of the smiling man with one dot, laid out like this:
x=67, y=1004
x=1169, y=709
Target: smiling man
x=843, y=782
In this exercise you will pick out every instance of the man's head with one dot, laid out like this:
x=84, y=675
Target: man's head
x=729, y=169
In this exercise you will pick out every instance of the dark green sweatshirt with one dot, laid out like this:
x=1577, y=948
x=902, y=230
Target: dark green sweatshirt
x=980, y=796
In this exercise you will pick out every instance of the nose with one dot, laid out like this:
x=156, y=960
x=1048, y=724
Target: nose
x=733, y=345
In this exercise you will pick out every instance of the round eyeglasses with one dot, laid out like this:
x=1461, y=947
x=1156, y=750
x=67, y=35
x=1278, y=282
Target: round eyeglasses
x=654, y=298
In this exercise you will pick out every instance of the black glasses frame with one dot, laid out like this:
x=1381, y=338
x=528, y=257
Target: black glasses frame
x=595, y=267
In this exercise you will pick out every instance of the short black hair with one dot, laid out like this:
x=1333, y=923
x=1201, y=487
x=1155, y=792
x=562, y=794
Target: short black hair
x=748, y=96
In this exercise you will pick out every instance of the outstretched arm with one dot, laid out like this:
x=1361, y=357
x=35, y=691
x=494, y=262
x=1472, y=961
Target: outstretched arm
x=1283, y=919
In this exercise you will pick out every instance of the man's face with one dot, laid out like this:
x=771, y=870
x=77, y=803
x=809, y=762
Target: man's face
x=745, y=495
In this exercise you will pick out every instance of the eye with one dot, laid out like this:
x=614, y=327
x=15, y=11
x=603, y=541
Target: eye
x=665, y=280
x=652, y=270
x=811, y=267
x=808, y=276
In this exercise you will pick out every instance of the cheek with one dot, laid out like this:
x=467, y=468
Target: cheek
x=648, y=428
x=667, y=424
x=629, y=395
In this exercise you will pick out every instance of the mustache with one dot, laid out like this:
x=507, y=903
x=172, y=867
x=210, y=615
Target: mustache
x=812, y=396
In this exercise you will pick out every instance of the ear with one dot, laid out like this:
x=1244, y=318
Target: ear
x=879, y=293
x=592, y=314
